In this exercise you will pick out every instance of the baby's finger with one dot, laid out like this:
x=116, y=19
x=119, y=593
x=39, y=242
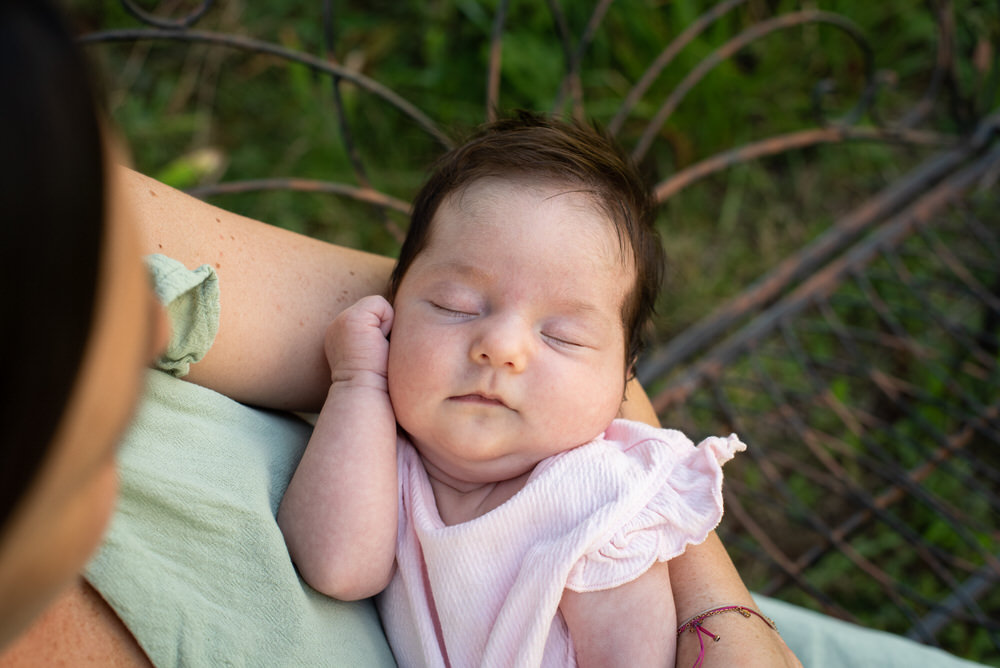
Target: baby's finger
x=380, y=307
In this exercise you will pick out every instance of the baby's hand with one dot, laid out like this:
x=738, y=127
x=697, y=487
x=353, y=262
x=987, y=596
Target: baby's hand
x=356, y=344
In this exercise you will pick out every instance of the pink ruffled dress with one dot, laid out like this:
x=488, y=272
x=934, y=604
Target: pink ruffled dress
x=486, y=592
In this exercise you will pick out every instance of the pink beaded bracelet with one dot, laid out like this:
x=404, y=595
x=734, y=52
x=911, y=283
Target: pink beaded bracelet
x=694, y=625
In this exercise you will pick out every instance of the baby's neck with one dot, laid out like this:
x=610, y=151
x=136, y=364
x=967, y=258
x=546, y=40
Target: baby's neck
x=457, y=503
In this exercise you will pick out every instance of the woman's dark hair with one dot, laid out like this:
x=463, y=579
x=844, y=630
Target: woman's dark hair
x=52, y=222
x=531, y=145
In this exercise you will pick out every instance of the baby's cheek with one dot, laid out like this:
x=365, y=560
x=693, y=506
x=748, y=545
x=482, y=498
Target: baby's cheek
x=404, y=388
x=411, y=414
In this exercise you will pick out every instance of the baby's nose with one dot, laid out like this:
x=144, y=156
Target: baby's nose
x=503, y=343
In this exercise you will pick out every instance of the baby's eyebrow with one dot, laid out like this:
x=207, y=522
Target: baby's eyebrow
x=464, y=270
x=578, y=306
x=458, y=266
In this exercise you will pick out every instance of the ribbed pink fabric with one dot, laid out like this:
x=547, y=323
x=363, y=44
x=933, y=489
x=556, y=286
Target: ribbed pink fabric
x=589, y=519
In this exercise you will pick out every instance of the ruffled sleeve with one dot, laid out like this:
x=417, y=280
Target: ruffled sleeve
x=676, y=501
x=191, y=298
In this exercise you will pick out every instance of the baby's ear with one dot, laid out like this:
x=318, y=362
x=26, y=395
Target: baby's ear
x=630, y=368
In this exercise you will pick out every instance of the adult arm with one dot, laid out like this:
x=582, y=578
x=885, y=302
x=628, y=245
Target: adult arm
x=279, y=290
x=704, y=577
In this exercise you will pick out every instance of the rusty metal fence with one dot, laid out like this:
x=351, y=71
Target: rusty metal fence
x=871, y=394
x=863, y=370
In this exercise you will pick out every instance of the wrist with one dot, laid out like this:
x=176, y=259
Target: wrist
x=353, y=379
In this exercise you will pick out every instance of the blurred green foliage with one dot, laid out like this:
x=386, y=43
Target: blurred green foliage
x=193, y=112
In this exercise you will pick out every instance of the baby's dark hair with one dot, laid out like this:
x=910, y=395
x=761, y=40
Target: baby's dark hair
x=531, y=145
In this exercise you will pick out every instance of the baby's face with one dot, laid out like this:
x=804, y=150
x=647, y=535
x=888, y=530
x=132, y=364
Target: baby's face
x=508, y=344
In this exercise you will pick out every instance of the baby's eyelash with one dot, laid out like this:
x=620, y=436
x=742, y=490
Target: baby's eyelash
x=560, y=341
x=451, y=311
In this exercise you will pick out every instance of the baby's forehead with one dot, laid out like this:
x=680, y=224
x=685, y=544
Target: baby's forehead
x=486, y=195
x=529, y=225
x=489, y=190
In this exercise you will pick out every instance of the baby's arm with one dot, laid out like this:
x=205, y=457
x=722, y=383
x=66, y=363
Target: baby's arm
x=339, y=514
x=630, y=625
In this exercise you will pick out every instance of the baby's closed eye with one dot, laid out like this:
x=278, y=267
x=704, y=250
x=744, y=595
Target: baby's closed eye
x=454, y=310
x=563, y=339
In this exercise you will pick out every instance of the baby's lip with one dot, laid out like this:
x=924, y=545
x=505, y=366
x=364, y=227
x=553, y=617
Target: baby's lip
x=480, y=398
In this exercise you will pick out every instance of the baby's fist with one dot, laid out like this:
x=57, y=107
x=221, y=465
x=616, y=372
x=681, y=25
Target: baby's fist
x=356, y=344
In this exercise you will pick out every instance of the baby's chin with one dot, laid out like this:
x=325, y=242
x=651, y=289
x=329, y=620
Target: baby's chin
x=476, y=470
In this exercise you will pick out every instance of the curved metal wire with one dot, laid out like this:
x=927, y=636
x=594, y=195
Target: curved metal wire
x=571, y=83
x=495, y=62
x=258, y=46
x=747, y=37
x=792, y=141
x=344, y=125
x=362, y=194
x=688, y=35
x=185, y=21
